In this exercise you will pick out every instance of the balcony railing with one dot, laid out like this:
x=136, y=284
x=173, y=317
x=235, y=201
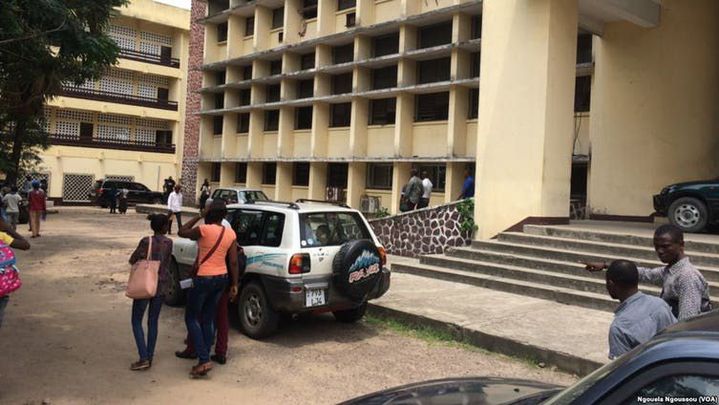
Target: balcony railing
x=149, y=58
x=100, y=95
x=133, y=145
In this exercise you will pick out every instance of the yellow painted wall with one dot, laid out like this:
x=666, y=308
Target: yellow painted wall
x=241, y=149
x=385, y=196
x=113, y=108
x=341, y=20
x=655, y=113
x=380, y=141
x=386, y=10
x=471, y=138
x=158, y=13
x=428, y=140
x=434, y=4
x=269, y=144
x=299, y=192
x=338, y=142
x=310, y=31
x=269, y=190
x=302, y=143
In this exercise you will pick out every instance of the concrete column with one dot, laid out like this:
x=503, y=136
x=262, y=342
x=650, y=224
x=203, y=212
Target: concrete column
x=454, y=180
x=365, y=12
x=293, y=21
x=283, y=181
x=403, y=130
x=358, y=127
x=457, y=123
x=320, y=129
x=323, y=55
x=407, y=38
x=524, y=164
x=254, y=174
x=227, y=174
x=326, y=17
x=318, y=180
x=285, y=136
x=356, y=181
x=254, y=138
x=228, y=141
x=263, y=22
x=400, y=176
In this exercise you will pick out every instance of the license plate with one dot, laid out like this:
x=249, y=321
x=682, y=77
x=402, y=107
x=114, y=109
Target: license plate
x=314, y=298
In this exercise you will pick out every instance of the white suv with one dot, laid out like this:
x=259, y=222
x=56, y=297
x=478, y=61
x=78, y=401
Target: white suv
x=308, y=256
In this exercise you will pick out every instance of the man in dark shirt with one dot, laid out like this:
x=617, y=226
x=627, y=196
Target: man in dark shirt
x=468, y=186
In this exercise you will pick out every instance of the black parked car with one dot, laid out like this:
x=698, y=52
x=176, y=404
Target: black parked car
x=690, y=205
x=681, y=364
x=138, y=193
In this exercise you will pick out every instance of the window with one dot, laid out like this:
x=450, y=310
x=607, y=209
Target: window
x=473, y=103
x=342, y=54
x=86, y=130
x=301, y=174
x=331, y=228
x=340, y=115
x=303, y=117
x=342, y=84
x=379, y=176
x=248, y=226
x=220, y=78
x=475, y=61
x=436, y=174
x=247, y=72
x=272, y=231
x=337, y=175
x=345, y=4
x=385, y=45
x=215, y=172
x=240, y=172
x=163, y=93
x=584, y=48
x=272, y=120
x=250, y=26
x=582, y=93
x=276, y=67
x=435, y=70
x=350, y=20
x=222, y=32
x=230, y=196
x=252, y=196
x=382, y=112
x=309, y=9
x=305, y=88
x=273, y=93
x=278, y=17
x=163, y=137
x=219, y=101
x=245, y=97
x=243, y=123
x=476, y=27
x=217, y=6
x=435, y=35
x=307, y=61
x=269, y=172
x=217, y=125
x=384, y=78
x=431, y=107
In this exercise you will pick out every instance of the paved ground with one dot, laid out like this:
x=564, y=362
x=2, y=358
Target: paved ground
x=67, y=339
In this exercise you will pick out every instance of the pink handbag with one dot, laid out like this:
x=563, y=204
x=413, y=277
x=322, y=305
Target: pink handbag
x=9, y=280
x=142, y=283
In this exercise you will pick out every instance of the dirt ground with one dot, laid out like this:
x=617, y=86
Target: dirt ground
x=66, y=338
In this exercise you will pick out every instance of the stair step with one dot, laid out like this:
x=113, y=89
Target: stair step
x=526, y=288
x=611, y=249
x=616, y=237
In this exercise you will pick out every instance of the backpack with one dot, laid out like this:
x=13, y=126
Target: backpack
x=9, y=277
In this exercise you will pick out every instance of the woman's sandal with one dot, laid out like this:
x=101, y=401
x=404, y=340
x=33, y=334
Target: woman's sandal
x=200, y=370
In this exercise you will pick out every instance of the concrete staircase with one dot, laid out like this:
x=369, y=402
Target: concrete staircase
x=543, y=262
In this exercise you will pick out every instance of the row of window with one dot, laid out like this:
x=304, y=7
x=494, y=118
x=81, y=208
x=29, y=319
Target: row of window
x=428, y=107
x=379, y=175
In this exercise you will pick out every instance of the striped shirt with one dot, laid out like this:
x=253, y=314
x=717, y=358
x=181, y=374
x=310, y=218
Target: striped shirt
x=636, y=320
x=683, y=287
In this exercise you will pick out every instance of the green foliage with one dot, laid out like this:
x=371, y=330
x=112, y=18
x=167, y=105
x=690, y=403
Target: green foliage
x=466, y=213
x=382, y=212
x=43, y=44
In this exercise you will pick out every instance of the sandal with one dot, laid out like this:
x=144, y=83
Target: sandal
x=140, y=365
x=201, y=370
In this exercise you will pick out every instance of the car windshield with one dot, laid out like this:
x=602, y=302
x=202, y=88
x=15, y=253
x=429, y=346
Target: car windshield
x=571, y=394
x=254, y=196
x=331, y=228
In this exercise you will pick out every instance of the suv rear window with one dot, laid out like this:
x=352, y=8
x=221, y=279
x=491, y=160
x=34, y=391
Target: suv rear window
x=331, y=228
x=254, y=196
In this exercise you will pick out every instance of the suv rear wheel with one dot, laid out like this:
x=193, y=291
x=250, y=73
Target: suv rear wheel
x=351, y=315
x=257, y=318
x=688, y=213
x=175, y=295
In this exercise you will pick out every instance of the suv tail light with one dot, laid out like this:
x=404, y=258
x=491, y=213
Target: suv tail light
x=299, y=263
x=382, y=255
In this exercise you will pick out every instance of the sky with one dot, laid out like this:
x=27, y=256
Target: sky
x=179, y=3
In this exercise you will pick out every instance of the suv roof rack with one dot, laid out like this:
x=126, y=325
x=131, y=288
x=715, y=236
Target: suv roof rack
x=338, y=203
x=289, y=204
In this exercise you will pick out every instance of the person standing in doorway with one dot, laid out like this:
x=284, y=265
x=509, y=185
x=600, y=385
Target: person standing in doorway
x=12, y=202
x=467, y=186
x=36, y=201
x=427, y=187
x=204, y=194
x=174, y=205
x=413, y=190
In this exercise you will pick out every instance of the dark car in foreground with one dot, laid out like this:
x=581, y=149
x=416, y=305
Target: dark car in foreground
x=137, y=192
x=680, y=365
x=690, y=205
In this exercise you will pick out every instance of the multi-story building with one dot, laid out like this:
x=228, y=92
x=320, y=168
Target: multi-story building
x=128, y=124
x=340, y=98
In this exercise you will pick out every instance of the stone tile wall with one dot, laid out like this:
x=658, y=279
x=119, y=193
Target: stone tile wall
x=421, y=232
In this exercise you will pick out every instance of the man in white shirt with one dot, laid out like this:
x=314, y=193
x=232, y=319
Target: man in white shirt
x=427, y=186
x=11, y=201
x=174, y=205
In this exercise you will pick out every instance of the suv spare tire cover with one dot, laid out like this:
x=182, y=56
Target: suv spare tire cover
x=357, y=268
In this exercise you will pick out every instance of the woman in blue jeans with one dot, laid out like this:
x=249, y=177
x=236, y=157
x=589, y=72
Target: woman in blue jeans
x=215, y=245
x=162, y=251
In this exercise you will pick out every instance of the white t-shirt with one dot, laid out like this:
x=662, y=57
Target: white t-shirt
x=12, y=202
x=174, y=202
x=427, y=185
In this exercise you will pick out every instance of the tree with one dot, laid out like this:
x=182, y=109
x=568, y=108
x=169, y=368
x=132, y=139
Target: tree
x=44, y=44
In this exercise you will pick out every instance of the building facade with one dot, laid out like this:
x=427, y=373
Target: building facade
x=128, y=124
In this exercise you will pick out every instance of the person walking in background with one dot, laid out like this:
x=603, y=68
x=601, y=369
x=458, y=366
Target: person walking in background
x=9, y=237
x=467, y=186
x=427, y=193
x=36, y=202
x=638, y=317
x=161, y=251
x=216, y=246
x=27, y=186
x=174, y=205
x=168, y=187
x=204, y=194
x=12, y=201
x=122, y=201
x=112, y=199
x=413, y=190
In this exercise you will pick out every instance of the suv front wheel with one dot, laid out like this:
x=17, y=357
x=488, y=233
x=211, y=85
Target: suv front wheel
x=689, y=214
x=351, y=315
x=257, y=318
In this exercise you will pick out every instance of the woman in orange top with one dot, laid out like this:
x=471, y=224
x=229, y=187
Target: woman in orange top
x=215, y=244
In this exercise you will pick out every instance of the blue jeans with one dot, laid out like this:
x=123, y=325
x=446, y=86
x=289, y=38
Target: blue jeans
x=146, y=349
x=202, y=302
x=3, y=303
